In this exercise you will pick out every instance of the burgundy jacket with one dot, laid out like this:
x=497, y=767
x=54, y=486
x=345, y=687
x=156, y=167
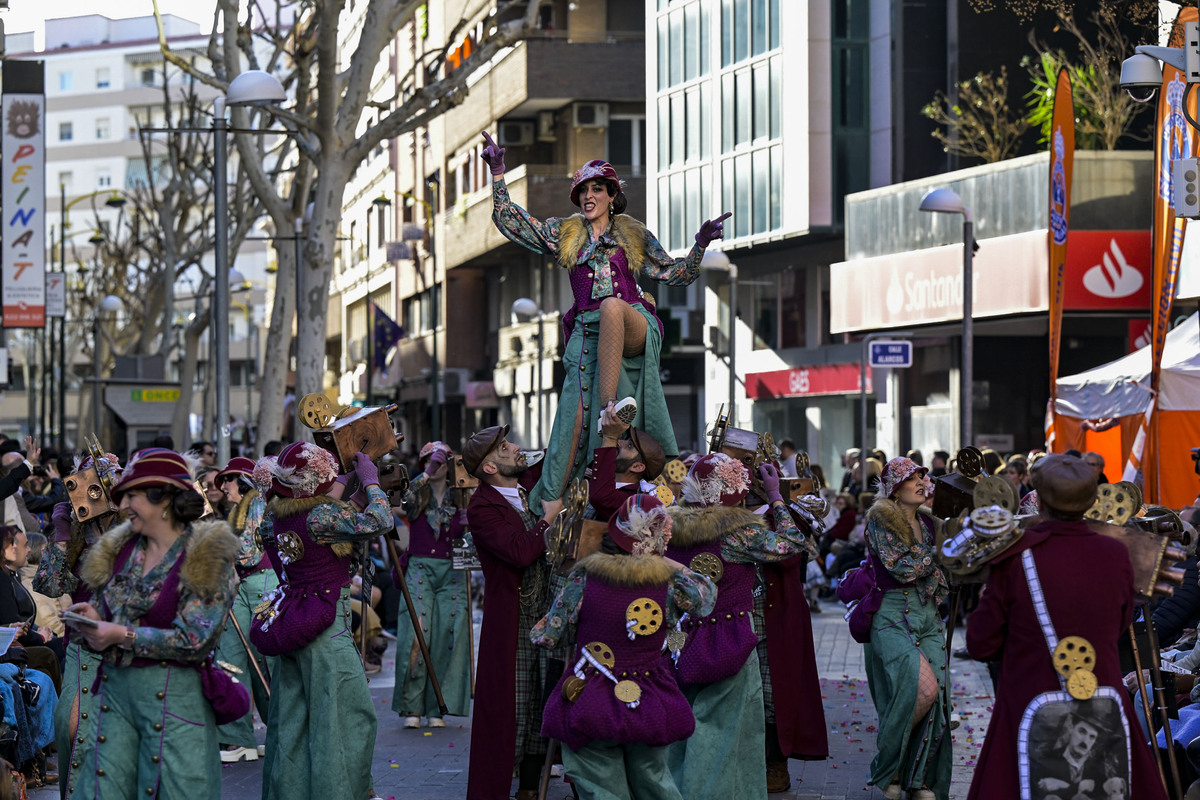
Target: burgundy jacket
x=1088, y=582
x=603, y=494
x=505, y=549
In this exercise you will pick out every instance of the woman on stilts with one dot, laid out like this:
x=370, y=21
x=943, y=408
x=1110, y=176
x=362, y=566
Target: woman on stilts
x=614, y=336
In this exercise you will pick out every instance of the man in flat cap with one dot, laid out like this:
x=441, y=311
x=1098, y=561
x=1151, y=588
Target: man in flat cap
x=511, y=541
x=1086, y=580
x=622, y=465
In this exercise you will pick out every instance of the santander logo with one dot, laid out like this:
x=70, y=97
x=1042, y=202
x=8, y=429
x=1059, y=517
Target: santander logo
x=1114, y=277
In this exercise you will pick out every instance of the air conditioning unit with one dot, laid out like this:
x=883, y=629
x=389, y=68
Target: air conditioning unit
x=590, y=115
x=454, y=381
x=515, y=134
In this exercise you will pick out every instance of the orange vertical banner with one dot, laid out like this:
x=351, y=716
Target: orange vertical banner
x=1062, y=162
x=1174, y=138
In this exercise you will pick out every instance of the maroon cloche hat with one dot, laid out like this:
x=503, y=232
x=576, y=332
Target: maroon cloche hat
x=238, y=465
x=154, y=467
x=591, y=171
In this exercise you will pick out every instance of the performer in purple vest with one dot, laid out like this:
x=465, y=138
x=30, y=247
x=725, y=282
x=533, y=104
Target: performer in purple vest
x=717, y=663
x=322, y=724
x=162, y=583
x=618, y=704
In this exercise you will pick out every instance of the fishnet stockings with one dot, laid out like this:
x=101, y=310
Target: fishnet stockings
x=622, y=334
x=927, y=691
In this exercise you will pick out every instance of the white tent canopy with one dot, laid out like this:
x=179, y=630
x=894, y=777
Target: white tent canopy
x=1122, y=387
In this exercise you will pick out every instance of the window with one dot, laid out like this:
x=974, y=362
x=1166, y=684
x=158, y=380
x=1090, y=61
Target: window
x=66, y=81
x=66, y=131
x=103, y=178
x=627, y=141
x=103, y=128
x=66, y=180
x=682, y=45
x=102, y=79
x=149, y=77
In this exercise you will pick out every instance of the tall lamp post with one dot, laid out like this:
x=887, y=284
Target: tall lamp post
x=251, y=88
x=947, y=201
x=717, y=260
x=377, y=205
x=525, y=307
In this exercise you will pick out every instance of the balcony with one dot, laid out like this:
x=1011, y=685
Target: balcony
x=543, y=190
x=544, y=73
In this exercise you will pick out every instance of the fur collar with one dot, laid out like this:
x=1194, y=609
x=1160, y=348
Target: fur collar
x=888, y=515
x=697, y=525
x=629, y=233
x=628, y=570
x=209, y=553
x=283, y=507
x=237, y=519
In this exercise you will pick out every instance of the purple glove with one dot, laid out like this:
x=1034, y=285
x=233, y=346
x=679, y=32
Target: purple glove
x=712, y=229
x=342, y=480
x=437, y=460
x=770, y=482
x=365, y=470
x=62, y=522
x=493, y=155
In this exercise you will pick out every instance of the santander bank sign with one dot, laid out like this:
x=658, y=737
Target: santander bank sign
x=1105, y=270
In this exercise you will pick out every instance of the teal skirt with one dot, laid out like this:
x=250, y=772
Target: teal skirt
x=75, y=703
x=567, y=459
x=915, y=756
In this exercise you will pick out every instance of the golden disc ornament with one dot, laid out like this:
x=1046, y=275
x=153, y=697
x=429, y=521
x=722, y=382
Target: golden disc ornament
x=1074, y=653
x=314, y=410
x=628, y=692
x=676, y=640
x=664, y=495
x=643, y=616
x=709, y=565
x=602, y=653
x=1082, y=684
x=573, y=687
x=970, y=462
x=290, y=545
x=675, y=471
x=995, y=491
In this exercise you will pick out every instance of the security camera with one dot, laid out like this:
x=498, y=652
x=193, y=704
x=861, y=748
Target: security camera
x=1141, y=76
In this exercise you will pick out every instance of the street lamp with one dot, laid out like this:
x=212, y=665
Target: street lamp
x=718, y=260
x=251, y=88
x=415, y=233
x=525, y=307
x=379, y=203
x=947, y=201
x=110, y=304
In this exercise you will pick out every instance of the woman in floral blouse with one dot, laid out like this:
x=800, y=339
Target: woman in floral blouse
x=613, y=334
x=906, y=658
x=162, y=584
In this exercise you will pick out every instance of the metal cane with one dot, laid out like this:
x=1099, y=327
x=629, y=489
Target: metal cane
x=263, y=676
x=416, y=623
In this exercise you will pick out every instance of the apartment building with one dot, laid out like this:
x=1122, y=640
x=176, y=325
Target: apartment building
x=418, y=236
x=105, y=79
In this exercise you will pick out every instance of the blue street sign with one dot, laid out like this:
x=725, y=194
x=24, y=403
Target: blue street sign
x=891, y=354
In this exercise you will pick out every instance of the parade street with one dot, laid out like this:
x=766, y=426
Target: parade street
x=430, y=764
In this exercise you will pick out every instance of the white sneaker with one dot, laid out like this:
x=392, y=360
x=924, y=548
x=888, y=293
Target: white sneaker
x=412, y=722
x=262, y=750
x=922, y=794
x=893, y=792
x=231, y=755
x=625, y=410
x=436, y=722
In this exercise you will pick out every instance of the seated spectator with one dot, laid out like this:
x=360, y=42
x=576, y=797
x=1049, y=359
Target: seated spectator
x=847, y=511
x=47, y=607
x=19, y=610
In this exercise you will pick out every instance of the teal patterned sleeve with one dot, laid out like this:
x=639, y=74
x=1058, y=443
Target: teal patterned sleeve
x=907, y=563
x=251, y=552
x=693, y=593
x=54, y=578
x=777, y=541
x=518, y=226
x=339, y=522
x=671, y=271
x=195, y=632
x=563, y=614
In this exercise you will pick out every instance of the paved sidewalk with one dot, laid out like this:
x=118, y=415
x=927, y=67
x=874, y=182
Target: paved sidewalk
x=431, y=764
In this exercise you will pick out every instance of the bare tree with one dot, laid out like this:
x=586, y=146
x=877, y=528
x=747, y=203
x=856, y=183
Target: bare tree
x=332, y=97
x=981, y=124
x=163, y=231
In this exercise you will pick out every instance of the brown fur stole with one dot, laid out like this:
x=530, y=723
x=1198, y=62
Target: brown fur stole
x=629, y=233
x=627, y=570
x=237, y=519
x=696, y=525
x=888, y=515
x=284, y=507
x=209, y=553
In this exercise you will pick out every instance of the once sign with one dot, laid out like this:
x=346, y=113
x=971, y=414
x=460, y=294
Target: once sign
x=891, y=354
